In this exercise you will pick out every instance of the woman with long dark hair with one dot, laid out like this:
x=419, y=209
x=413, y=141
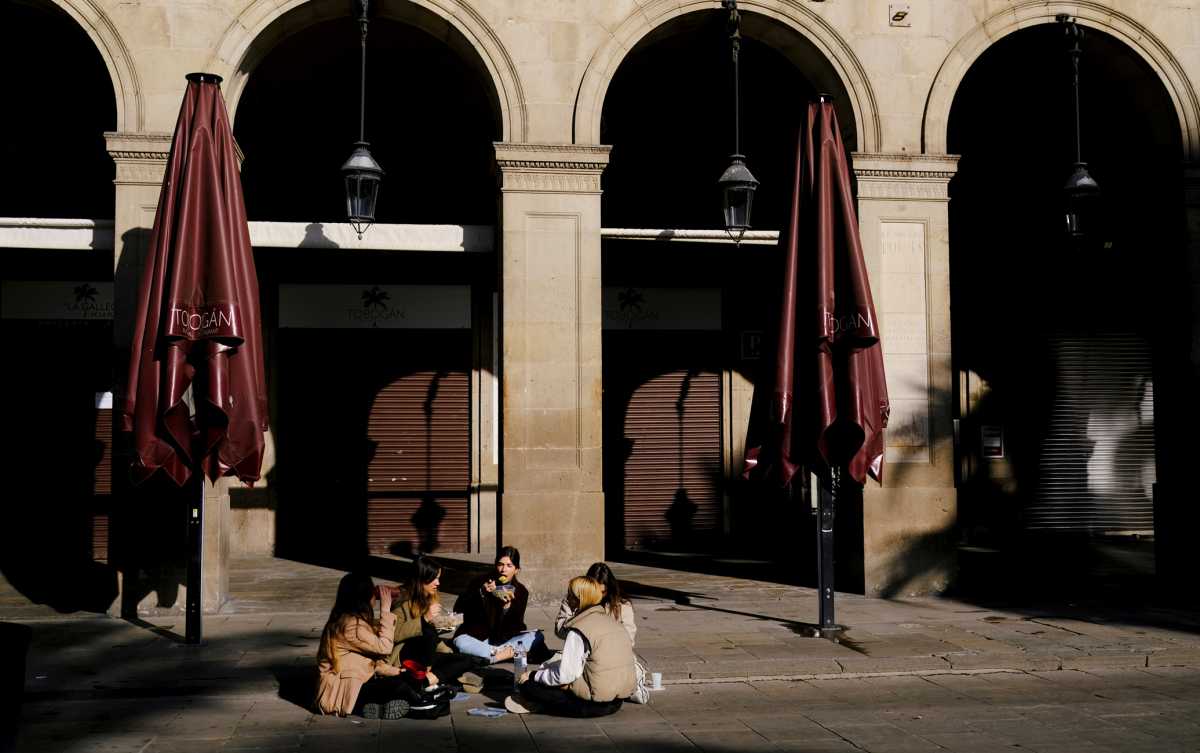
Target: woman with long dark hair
x=354, y=677
x=351, y=643
x=613, y=601
x=493, y=608
x=417, y=647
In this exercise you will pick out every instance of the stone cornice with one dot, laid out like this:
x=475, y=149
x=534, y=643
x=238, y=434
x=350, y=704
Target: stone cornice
x=584, y=156
x=551, y=168
x=920, y=177
x=138, y=146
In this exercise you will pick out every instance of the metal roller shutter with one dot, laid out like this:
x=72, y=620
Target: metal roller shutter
x=419, y=473
x=1098, y=461
x=672, y=477
x=102, y=484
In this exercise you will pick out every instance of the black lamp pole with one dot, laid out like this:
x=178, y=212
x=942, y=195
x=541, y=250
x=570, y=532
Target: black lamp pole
x=362, y=174
x=737, y=183
x=1081, y=189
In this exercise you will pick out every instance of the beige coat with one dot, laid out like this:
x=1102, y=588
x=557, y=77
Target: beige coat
x=357, y=646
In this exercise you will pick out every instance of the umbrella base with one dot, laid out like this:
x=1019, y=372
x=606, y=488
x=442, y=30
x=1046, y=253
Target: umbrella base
x=833, y=633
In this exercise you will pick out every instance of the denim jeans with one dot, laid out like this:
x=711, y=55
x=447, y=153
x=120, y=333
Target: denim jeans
x=465, y=644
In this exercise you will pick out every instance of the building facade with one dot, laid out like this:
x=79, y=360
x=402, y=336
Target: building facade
x=545, y=342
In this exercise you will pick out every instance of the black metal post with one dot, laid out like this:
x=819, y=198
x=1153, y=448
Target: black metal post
x=195, y=574
x=363, y=20
x=826, y=506
x=735, y=44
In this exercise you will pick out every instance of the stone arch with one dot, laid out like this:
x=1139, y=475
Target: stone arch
x=127, y=89
x=589, y=102
x=264, y=22
x=1034, y=12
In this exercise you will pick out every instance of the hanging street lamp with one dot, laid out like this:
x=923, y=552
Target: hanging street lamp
x=737, y=182
x=361, y=172
x=1081, y=192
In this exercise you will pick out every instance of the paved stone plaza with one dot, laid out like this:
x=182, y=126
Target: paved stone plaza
x=740, y=673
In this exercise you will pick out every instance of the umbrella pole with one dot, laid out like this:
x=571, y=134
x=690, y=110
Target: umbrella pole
x=195, y=580
x=826, y=504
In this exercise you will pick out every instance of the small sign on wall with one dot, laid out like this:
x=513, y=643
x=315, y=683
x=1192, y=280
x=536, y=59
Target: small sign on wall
x=662, y=308
x=375, y=306
x=991, y=440
x=56, y=299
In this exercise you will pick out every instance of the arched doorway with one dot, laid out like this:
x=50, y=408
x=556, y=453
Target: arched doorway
x=374, y=356
x=684, y=322
x=57, y=305
x=1064, y=350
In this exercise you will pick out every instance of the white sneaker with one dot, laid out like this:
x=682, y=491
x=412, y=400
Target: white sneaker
x=517, y=705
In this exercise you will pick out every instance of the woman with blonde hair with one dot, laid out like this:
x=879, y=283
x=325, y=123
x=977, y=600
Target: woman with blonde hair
x=597, y=666
x=613, y=600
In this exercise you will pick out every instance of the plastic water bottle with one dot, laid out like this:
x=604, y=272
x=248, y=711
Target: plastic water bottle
x=519, y=664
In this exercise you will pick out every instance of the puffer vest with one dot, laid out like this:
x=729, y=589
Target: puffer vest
x=608, y=672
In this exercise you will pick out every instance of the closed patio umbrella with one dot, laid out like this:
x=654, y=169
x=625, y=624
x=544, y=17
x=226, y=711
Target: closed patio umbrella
x=197, y=328
x=829, y=403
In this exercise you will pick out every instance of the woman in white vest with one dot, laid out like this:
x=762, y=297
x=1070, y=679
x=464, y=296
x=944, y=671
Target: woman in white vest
x=596, y=670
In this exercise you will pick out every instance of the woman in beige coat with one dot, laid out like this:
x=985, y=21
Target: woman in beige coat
x=352, y=677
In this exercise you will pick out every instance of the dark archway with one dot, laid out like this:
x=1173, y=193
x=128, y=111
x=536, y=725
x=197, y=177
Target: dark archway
x=668, y=116
x=1058, y=343
x=61, y=99
x=430, y=120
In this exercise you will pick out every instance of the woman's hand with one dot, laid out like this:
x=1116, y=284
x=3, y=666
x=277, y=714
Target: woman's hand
x=435, y=610
x=385, y=599
x=525, y=675
x=431, y=678
x=489, y=586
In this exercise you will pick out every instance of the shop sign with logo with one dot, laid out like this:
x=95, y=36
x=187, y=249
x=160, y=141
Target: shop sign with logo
x=56, y=299
x=375, y=306
x=662, y=308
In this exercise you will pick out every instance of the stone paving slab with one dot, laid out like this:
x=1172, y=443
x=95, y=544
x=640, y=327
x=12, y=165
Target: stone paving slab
x=692, y=628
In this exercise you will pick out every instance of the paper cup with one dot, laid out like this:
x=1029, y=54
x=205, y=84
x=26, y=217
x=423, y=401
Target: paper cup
x=656, y=680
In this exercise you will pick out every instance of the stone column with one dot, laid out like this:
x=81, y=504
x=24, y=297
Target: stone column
x=552, y=502
x=1177, y=404
x=148, y=584
x=908, y=524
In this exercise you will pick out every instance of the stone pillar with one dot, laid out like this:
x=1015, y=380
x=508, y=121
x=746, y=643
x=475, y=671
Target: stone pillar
x=908, y=524
x=1177, y=401
x=552, y=502
x=148, y=583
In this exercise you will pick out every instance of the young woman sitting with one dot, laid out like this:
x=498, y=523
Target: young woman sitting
x=613, y=601
x=417, y=645
x=493, y=609
x=351, y=644
x=596, y=670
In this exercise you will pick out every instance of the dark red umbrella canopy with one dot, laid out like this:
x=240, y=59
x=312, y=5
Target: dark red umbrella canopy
x=198, y=320
x=829, y=361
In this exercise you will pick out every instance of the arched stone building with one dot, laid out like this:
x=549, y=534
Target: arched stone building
x=517, y=353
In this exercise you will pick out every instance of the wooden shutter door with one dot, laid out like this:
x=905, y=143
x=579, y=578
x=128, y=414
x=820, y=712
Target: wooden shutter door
x=418, y=477
x=672, y=475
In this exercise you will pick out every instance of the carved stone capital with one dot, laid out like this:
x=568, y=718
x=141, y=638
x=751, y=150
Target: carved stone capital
x=141, y=158
x=551, y=168
x=914, y=177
